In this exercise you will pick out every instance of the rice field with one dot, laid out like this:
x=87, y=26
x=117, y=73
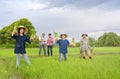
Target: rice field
x=102, y=66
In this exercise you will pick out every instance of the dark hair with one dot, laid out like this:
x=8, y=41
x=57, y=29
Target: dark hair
x=20, y=29
x=49, y=34
x=85, y=35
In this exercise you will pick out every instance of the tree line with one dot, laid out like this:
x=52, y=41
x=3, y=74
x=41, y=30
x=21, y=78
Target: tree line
x=109, y=39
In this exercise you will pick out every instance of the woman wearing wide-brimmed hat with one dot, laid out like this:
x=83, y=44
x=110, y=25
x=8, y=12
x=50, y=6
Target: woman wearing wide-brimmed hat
x=21, y=39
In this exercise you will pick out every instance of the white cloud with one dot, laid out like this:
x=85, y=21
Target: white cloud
x=67, y=18
x=36, y=6
x=94, y=18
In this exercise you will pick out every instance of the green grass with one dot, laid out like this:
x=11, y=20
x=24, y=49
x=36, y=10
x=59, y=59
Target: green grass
x=100, y=67
x=107, y=50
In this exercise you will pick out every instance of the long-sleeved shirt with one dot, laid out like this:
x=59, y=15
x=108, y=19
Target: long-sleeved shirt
x=63, y=45
x=84, y=45
x=20, y=43
x=50, y=41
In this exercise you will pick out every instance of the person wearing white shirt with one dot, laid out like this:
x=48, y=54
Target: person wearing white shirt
x=42, y=42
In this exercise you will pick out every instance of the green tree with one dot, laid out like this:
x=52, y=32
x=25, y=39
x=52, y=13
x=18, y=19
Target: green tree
x=109, y=39
x=5, y=32
x=91, y=41
x=78, y=44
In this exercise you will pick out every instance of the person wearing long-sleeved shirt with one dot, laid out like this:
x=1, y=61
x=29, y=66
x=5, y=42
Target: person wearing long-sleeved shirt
x=50, y=41
x=21, y=40
x=63, y=46
x=84, y=47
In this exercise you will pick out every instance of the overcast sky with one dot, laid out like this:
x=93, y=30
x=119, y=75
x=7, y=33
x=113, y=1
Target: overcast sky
x=73, y=17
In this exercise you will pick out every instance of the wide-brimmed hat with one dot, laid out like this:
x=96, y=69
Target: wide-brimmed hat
x=85, y=35
x=22, y=27
x=63, y=34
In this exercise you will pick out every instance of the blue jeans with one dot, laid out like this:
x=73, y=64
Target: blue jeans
x=44, y=49
x=63, y=54
x=18, y=59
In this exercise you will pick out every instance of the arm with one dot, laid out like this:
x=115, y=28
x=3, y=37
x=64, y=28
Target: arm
x=81, y=43
x=28, y=39
x=57, y=41
x=89, y=45
x=41, y=40
x=13, y=35
x=68, y=42
x=52, y=40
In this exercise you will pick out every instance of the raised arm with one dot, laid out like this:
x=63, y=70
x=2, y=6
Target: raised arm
x=13, y=35
x=28, y=39
x=88, y=45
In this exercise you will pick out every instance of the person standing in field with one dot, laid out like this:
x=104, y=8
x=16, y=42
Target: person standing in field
x=50, y=41
x=63, y=46
x=42, y=42
x=84, y=47
x=21, y=40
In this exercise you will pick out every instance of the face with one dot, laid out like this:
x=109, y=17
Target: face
x=84, y=36
x=21, y=31
x=43, y=34
x=49, y=35
x=63, y=36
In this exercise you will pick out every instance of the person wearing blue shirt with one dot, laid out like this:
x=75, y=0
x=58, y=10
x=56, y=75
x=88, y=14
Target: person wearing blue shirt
x=63, y=46
x=21, y=40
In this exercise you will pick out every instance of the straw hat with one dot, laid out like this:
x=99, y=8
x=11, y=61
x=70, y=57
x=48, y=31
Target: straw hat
x=63, y=34
x=22, y=27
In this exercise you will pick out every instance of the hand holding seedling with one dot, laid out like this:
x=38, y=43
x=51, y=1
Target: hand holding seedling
x=14, y=31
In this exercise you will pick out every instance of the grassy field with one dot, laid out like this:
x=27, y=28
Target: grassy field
x=100, y=67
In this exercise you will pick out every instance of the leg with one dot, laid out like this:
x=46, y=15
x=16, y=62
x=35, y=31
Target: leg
x=48, y=50
x=40, y=49
x=60, y=57
x=51, y=50
x=80, y=54
x=44, y=50
x=17, y=60
x=83, y=55
x=89, y=54
x=26, y=59
x=65, y=56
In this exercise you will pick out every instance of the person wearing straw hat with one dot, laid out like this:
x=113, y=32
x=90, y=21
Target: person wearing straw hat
x=63, y=46
x=21, y=40
x=84, y=47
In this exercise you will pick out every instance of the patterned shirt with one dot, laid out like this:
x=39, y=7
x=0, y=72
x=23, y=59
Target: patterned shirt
x=84, y=45
x=50, y=41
